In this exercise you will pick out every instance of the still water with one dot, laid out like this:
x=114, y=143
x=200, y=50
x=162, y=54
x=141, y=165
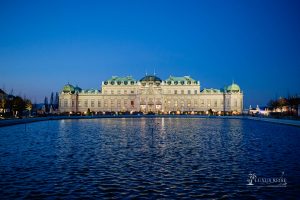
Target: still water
x=150, y=158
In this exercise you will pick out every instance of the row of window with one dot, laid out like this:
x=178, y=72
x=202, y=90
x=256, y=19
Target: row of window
x=166, y=92
x=181, y=92
x=99, y=103
x=169, y=103
x=119, y=82
x=209, y=103
x=118, y=92
x=133, y=82
x=181, y=82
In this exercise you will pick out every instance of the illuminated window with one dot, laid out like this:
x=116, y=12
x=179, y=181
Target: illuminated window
x=66, y=103
x=112, y=103
x=195, y=102
x=202, y=102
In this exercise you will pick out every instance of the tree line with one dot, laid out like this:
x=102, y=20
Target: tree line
x=53, y=104
x=291, y=104
x=16, y=106
x=11, y=105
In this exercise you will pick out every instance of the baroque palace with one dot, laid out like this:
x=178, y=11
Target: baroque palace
x=151, y=95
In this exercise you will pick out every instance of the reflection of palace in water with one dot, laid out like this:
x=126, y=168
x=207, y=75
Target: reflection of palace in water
x=151, y=94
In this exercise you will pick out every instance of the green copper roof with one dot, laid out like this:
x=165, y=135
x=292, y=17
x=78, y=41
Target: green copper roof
x=180, y=80
x=150, y=78
x=69, y=88
x=115, y=80
x=211, y=90
x=77, y=89
x=90, y=91
x=183, y=78
x=233, y=88
x=122, y=79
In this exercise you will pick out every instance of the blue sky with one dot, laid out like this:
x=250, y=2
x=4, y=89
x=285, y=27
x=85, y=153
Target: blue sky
x=45, y=44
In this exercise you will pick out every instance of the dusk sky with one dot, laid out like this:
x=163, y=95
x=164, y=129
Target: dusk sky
x=46, y=44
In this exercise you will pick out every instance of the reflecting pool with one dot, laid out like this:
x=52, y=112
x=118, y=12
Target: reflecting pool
x=156, y=158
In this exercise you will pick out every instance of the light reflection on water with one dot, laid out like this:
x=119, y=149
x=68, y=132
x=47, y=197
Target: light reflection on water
x=147, y=158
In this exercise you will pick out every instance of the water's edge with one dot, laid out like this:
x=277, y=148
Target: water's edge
x=11, y=122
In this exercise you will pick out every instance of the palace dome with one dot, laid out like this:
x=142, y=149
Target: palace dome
x=151, y=78
x=68, y=88
x=233, y=88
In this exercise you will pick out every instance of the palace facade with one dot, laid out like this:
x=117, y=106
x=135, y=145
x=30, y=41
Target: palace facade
x=151, y=95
